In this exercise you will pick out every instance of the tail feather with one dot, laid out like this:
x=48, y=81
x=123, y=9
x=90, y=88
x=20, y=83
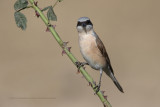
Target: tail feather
x=116, y=82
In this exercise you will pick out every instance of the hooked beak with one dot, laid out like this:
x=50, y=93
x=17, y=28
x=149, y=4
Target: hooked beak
x=84, y=27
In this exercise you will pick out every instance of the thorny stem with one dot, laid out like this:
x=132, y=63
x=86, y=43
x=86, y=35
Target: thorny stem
x=69, y=54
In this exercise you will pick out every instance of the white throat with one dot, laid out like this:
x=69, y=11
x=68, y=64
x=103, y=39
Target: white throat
x=91, y=32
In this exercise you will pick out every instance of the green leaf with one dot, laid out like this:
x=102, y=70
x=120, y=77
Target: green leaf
x=51, y=15
x=45, y=8
x=60, y=0
x=19, y=4
x=21, y=20
x=23, y=1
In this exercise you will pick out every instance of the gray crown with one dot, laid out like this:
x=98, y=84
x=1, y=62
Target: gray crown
x=83, y=19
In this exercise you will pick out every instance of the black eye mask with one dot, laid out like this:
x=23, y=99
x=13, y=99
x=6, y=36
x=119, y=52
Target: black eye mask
x=87, y=22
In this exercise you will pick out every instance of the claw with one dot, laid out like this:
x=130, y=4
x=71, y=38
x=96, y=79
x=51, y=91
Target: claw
x=77, y=64
x=81, y=64
x=97, y=87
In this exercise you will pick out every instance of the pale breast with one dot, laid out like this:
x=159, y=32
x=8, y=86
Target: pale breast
x=90, y=51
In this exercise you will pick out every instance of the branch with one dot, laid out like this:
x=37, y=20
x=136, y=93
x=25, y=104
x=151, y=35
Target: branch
x=55, y=3
x=24, y=8
x=69, y=54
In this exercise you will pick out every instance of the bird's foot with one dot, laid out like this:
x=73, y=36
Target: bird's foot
x=80, y=64
x=97, y=87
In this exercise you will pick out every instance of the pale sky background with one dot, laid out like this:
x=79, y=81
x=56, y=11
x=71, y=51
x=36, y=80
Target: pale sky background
x=31, y=65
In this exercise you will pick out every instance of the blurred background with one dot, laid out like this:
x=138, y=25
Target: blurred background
x=33, y=73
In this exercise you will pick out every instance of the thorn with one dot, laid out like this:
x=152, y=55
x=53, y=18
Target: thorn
x=37, y=14
x=105, y=97
x=103, y=92
x=89, y=84
x=53, y=26
x=69, y=49
x=63, y=52
x=78, y=71
x=65, y=44
x=47, y=30
x=35, y=3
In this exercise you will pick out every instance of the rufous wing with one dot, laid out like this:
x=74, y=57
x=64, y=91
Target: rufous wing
x=103, y=51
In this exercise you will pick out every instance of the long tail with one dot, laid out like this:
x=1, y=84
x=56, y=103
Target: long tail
x=116, y=82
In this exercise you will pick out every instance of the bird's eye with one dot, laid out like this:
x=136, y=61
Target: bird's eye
x=79, y=24
x=88, y=22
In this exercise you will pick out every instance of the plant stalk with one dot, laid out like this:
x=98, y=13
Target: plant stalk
x=69, y=54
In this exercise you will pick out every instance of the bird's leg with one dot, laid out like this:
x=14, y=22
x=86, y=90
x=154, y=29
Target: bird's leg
x=99, y=85
x=80, y=64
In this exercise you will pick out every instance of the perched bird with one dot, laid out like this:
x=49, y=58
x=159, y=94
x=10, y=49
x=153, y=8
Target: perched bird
x=93, y=50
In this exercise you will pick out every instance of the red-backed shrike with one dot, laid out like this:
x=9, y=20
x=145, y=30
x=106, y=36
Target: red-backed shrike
x=93, y=50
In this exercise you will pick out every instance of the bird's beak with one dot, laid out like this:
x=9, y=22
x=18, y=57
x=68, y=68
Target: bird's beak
x=84, y=27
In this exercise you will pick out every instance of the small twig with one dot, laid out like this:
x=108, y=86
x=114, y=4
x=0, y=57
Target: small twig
x=24, y=8
x=55, y=3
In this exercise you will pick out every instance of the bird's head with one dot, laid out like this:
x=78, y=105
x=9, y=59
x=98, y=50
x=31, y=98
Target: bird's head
x=84, y=25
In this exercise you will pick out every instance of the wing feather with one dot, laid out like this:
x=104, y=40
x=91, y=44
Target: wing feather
x=103, y=51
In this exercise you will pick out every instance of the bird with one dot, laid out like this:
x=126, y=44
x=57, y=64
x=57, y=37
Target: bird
x=94, y=52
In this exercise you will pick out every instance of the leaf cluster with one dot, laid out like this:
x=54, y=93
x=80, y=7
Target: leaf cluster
x=50, y=13
x=20, y=4
x=21, y=19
